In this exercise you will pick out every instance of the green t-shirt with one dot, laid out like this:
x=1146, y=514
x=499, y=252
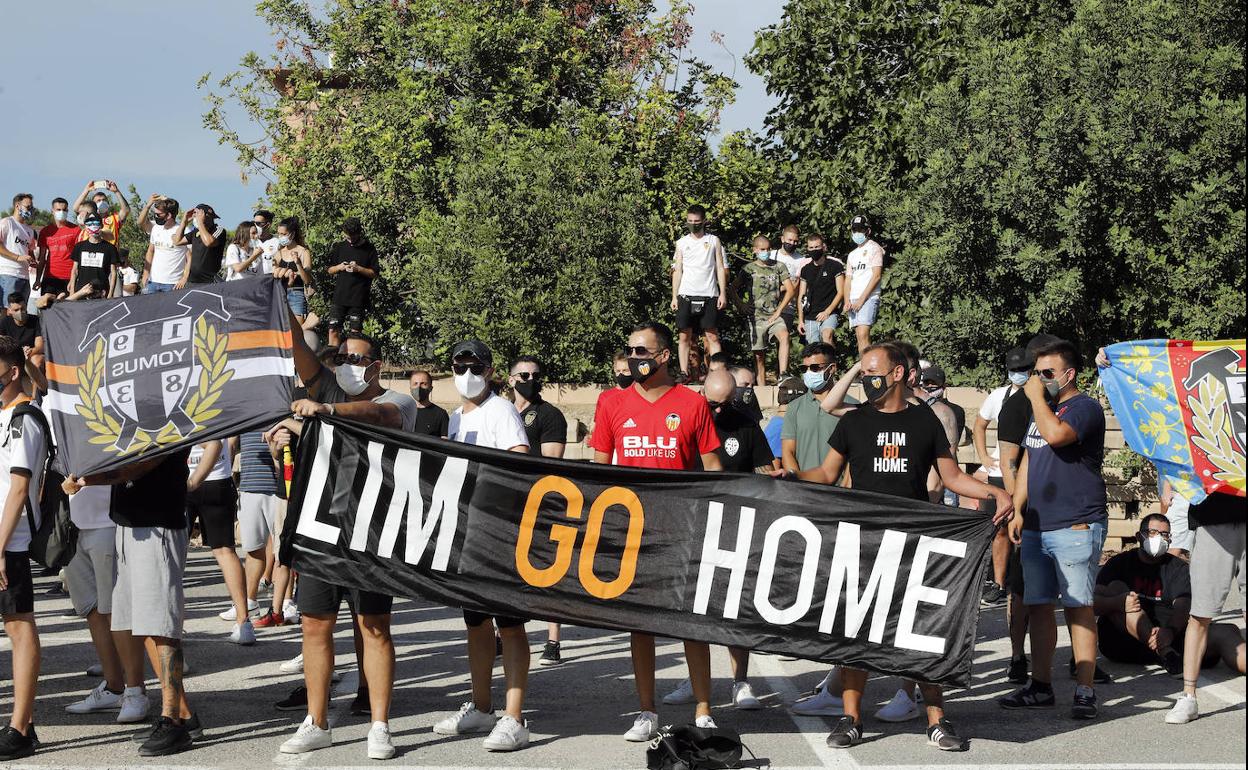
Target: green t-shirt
x=763, y=286
x=806, y=423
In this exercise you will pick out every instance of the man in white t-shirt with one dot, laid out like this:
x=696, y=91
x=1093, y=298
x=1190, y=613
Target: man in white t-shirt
x=17, y=247
x=265, y=239
x=699, y=285
x=485, y=419
x=863, y=268
x=167, y=264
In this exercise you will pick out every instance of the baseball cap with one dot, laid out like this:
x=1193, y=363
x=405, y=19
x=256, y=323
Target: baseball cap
x=860, y=221
x=789, y=389
x=473, y=349
x=933, y=374
x=1018, y=359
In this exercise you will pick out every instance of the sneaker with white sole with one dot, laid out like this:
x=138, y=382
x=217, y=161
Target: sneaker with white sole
x=293, y=666
x=682, y=695
x=243, y=634
x=467, y=720
x=291, y=612
x=307, y=738
x=706, y=723
x=232, y=614
x=1185, y=710
x=644, y=728
x=743, y=697
x=379, y=744
x=507, y=735
x=134, y=706
x=99, y=699
x=820, y=703
x=901, y=708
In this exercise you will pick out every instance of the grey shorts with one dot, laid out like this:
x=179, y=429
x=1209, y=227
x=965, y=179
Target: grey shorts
x=257, y=518
x=760, y=330
x=90, y=575
x=1217, y=559
x=147, y=597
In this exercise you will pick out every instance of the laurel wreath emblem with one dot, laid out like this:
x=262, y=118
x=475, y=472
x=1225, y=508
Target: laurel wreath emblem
x=210, y=351
x=1212, y=422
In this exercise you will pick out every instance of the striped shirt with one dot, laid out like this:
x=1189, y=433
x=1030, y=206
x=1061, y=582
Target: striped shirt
x=256, y=471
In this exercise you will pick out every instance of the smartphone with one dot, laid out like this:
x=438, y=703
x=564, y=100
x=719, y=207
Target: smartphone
x=100, y=184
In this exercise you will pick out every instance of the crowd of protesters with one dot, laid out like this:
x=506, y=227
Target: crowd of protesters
x=1042, y=483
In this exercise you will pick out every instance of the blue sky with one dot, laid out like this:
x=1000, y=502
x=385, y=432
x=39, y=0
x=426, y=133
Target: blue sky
x=108, y=90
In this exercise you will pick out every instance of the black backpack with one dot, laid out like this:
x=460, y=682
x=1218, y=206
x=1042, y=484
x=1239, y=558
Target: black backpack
x=694, y=748
x=54, y=542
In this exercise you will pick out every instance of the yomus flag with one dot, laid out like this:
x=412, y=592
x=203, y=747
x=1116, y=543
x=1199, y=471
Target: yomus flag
x=1181, y=405
x=876, y=582
x=144, y=375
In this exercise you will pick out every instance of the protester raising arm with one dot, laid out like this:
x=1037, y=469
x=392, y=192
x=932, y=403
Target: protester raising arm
x=834, y=402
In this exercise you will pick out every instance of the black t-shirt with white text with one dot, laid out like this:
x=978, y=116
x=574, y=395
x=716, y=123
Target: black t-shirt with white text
x=24, y=334
x=742, y=444
x=890, y=453
x=821, y=283
x=350, y=288
x=95, y=261
x=433, y=421
x=544, y=424
x=206, y=260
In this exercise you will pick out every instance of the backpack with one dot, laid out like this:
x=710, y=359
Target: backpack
x=54, y=542
x=694, y=748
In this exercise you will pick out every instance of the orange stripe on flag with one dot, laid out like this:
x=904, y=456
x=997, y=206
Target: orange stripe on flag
x=261, y=338
x=63, y=374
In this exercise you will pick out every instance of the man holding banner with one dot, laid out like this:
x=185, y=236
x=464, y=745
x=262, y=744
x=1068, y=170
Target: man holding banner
x=889, y=446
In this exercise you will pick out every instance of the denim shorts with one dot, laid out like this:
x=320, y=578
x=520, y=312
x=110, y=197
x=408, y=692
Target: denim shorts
x=11, y=284
x=813, y=327
x=865, y=315
x=152, y=287
x=1062, y=563
x=297, y=300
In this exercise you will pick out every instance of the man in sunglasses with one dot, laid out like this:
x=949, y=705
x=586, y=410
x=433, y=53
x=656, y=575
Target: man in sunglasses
x=485, y=419
x=1062, y=531
x=656, y=423
x=351, y=390
x=804, y=434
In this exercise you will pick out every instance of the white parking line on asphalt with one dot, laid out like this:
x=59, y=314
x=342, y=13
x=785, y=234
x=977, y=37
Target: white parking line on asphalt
x=812, y=729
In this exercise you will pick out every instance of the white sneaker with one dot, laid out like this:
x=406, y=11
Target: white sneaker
x=644, y=728
x=743, y=697
x=682, y=695
x=379, y=745
x=820, y=704
x=134, y=706
x=99, y=699
x=95, y=669
x=232, y=614
x=706, y=723
x=1185, y=710
x=507, y=735
x=244, y=633
x=264, y=587
x=466, y=720
x=290, y=612
x=901, y=708
x=309, y=737
x=293, y=666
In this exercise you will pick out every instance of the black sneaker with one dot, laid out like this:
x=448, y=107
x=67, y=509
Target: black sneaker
x=169, y=737
x=1029, y=697
x=1173, y=662
x=14, y=745
x=192, y=725
x=994, y=595
x=296, y=701
x=360, y=707
x=550, y=655
x=845, y=733
x=943, y=736
x=1017, y=672
x=1099, y=676
x=1085, y=704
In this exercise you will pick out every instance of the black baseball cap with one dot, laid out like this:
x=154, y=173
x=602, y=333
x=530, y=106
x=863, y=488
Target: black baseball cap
x=1019, y=359
x=473, y=349
x=789, y=389
x=860, y=221
x=933, y=374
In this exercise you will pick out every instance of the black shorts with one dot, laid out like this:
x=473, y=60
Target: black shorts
x=19, y=597
x=1119, y=646
x=696, y=311
x=316, y=597
x=347, y=317
x=215, y=505
x=53, y=286
x=474, y=619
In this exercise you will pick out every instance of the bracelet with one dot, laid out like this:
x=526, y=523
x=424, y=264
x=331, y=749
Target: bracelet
x=331, y=409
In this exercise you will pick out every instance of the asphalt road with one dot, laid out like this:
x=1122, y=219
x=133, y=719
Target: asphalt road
x=578, y=711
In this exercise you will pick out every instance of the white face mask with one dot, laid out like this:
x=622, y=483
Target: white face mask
x=351, y=379
x=1018, y=379
x=1155, y=545
x=470, y=385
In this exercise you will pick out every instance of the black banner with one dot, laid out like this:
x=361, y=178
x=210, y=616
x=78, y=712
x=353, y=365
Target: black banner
x=142, y=376
x=871, y=581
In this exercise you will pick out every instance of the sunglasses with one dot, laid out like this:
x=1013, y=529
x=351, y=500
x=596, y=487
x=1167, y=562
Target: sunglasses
x=526, y=376
x=1048, y=374
x=1165, y=533
x=477, y=368
x=354, y=359
x=640, y=351
x=813, y=367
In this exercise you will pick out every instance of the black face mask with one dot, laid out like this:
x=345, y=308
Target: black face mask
x=623, y=380
x=875, y=387
x=421, y=393
x=642, y=369
x=745, y=401
x=695, y=228
x=789, y=248
x=815, y=254
x=158, y=218
x=529, y=390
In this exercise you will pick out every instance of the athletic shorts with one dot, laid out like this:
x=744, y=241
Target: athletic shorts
x=90, y=575
x=761, y=329
x=699, y=312
x=147, y=597
x=54, y=286
x=1217, y=560
x=316, y=597
x=257, y=519
x=214, y=504
x=19, y=597
x=348, y=316
x=1062, y=563
x=474, y=619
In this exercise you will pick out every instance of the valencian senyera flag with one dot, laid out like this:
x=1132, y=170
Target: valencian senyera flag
x=1181, y=405
x=142, y=376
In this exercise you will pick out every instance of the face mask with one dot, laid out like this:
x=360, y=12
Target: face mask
x=421, y=393
x=283, y=241
x=642, y=369
x=815, y=254
x=25, y=213
x=935, y=395
x=158, y=218
x=60, y=215
x=529, y=389
x=94, y=229
x=1155, y=545
x=18, y=315
x=789, y=248
x=351, y=379
x=1018, y=379
x=859, y=238
x=695, y=229
x=623, y=380
x=470, y=385
x=1052, y=387
x=876, y=387
x=101, y=208
x=816, y=382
